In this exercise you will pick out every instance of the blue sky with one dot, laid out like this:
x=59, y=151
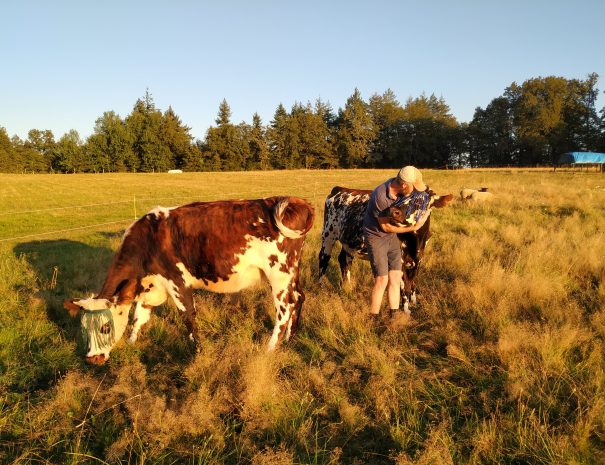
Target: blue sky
x=67, y=62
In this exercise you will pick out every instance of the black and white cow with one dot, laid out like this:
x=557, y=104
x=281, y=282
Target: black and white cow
x=343, y=222
x=218, y=246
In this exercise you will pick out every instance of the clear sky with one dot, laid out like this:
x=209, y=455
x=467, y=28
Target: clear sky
x=64, y=63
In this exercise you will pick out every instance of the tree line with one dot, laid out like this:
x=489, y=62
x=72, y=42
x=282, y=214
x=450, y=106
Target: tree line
x=529, y=124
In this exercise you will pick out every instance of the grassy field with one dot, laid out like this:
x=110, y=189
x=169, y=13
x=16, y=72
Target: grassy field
x=502, y=363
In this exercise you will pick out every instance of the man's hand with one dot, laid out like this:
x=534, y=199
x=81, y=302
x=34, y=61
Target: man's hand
x=388, y=227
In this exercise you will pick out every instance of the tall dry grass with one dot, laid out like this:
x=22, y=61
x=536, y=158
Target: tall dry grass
x=502, y=363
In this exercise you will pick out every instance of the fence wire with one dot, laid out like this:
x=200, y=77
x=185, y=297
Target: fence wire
x=133, y=202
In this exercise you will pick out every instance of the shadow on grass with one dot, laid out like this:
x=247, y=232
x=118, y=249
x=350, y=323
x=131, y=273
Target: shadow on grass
x=68, y=269
x=65, y=269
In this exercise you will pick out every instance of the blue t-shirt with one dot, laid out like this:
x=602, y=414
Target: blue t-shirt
x=380, y=200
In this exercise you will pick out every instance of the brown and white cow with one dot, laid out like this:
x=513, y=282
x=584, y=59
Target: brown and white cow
x=343, y=222
x=220, y=246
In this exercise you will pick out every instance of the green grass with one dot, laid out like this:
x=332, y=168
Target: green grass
x=503, y=362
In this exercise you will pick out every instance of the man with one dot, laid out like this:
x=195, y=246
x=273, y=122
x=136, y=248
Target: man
x=384, y=248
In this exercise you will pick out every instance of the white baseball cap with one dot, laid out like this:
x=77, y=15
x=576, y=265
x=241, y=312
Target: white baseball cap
x=412, y=175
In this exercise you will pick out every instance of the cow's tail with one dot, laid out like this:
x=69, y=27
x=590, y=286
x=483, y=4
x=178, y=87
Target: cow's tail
x=293, y=217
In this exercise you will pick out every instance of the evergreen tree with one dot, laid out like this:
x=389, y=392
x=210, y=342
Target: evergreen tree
x=325, y=156
x=429, y=135
x=224, y=114
x=293, y=153
x=194, y=158
x=324, y=109
x=259, y=149
x=277, y=135
x=313, y=137
x=225, y=148
x=355, y=133
x=176, y=136
x=145, y=124
x=387, y=116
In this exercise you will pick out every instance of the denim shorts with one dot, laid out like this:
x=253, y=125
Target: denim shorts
x=384, y=253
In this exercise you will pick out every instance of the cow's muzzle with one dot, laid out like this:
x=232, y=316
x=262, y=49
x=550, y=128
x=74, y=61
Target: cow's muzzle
x=99, y=359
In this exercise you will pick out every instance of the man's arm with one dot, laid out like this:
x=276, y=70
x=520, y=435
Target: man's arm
x=387, y=227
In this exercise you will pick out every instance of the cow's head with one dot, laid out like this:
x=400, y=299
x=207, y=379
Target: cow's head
x=103, y=324
x=401, y=216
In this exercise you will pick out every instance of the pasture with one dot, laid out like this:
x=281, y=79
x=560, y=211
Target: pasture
x=503, y=361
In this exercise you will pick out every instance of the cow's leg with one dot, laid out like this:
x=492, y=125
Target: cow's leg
x=152, y=292
x=327, y=243
x=344, y=260
x=406, y=290
x=183, y=298
x=288, y=299
x=142, y=313
x=413, y=287
x=295, y=314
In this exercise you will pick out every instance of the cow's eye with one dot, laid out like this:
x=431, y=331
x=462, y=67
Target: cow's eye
x=105, y=329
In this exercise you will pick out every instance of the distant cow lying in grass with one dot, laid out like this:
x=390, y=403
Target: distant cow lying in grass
x=218, y=246
x=476, y=195
x=343, y=222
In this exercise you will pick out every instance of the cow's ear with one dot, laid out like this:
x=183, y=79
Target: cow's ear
x=72, y=307
x=443, y=200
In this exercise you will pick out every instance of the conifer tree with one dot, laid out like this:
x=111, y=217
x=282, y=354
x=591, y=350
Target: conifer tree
x=176, y=136
x=429, y=134
x=145, y=123
x=387, y=116
x=355, y=132
x=313, y=137
x=259, y=149
x=276, y=136
x=224, y=143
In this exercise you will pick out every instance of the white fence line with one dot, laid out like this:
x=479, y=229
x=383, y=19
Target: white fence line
x=41, y=210
x=155, y=199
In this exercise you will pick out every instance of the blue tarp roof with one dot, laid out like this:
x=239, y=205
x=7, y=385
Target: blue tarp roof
x=582, y=157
